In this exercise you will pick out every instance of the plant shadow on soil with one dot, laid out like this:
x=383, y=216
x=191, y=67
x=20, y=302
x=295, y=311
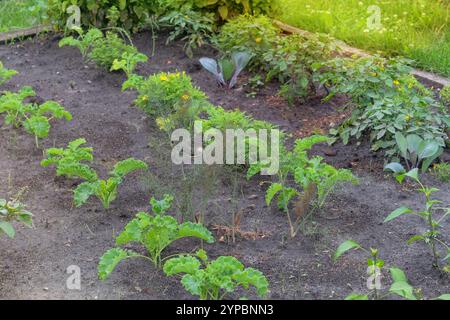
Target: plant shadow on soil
x=33, y=265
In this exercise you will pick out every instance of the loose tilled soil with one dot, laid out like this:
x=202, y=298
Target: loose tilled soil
x=33, y=265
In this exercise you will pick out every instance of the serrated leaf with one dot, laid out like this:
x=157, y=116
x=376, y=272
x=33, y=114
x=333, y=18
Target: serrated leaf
x=183, y=264
x=111, y=259
x=272, y=191
x=83, y=192
x=125, y=167
x=189, y=229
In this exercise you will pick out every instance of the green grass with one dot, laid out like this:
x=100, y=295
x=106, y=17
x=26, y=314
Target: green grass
x=417, y=29
x=20, y=14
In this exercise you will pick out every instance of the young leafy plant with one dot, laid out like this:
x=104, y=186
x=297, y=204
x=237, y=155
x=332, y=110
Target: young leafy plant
x=213, y=280
x=128, y=62
x=314, y=180
x=416, y=152
x=432, y=237
x=155, y=232
x=227, y=70
x=192, y=27
x=68, y=160
x=84, y=42
x=13, y=211
x=34, y=118
x=6, y=74
x=400, y=285
x=109, y=48
x=106, y=190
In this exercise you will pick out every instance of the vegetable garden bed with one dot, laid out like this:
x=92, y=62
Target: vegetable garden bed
x=34, y=264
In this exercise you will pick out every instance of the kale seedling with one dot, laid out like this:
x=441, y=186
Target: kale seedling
x=213, y=280
x=106, y=190
x=34, y=118
x=155, y=232
x=68, y=160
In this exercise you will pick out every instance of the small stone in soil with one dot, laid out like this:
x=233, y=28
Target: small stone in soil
x=330, y=152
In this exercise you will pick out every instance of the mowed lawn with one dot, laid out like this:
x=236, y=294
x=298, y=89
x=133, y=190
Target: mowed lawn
x=418, y=29
x=20, y=14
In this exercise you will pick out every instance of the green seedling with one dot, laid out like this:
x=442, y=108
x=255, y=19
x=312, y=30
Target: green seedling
x=155, y=232
x=213, y=280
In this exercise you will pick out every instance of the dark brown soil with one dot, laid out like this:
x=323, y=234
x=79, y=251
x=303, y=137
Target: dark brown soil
x=33, y=265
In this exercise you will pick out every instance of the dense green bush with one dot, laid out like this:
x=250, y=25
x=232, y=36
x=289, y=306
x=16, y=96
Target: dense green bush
x=253, y=34
x=227, y=9
x=290, y=61
x=127, y=14
x=387, y=99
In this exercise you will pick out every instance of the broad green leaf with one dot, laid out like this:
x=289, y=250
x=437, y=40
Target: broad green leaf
x=395, y=167
x=444, y=297
x=402, y=144
x=414, y=174
x=344, y=247
x=111, y=259
x=414, y=142
x=7, y=228
x=397, y=213
x=401, y=286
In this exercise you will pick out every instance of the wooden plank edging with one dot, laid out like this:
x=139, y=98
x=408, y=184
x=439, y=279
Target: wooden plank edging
x=12, y=35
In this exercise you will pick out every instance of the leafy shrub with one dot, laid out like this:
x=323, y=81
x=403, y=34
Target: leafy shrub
x=192, y=27
x=253, y=34
x=213, y=280
x=110, y=48
x=314, y=180
x=108, y=51
x=5, y=74
x=290, y=61
x=387, y=100
x=130, y=15
x=13, y=211
x=227, y=9
x=163, y=94
x=34, y=118
x=68, y=160
x=105, y=190
x=155, y=232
